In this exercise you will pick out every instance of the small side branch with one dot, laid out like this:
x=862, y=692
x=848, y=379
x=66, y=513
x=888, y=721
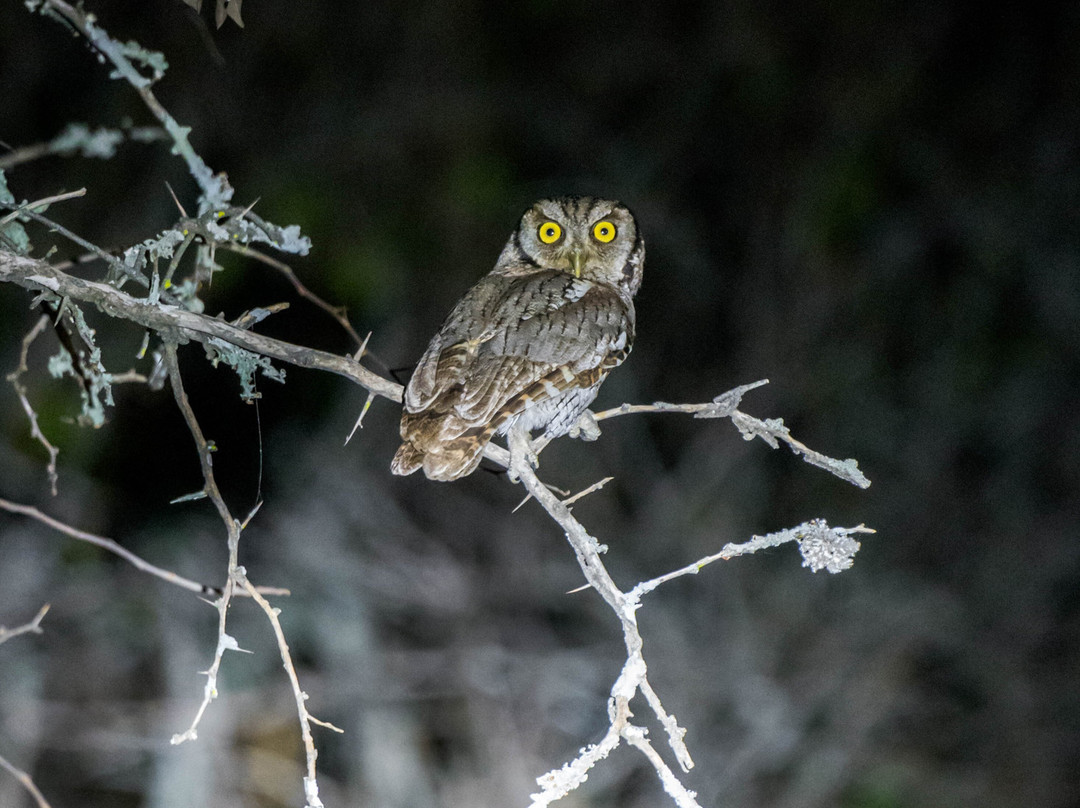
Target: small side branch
x=634, y=676
x=33, y=627
x=771, y=430
x=225, y=641
x=311, y=785
x=41, y=203
x=27, y=783
x=822, y=547
x=113, y=546
x=337, y=312
x=15, y=378
x=237, y=581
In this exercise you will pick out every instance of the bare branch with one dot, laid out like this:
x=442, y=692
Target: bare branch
x=113, y=547
x=771, y=431
x=811, y=537
x=31, y=414
x=33, y=627
x=27, y=783
x=633, y=677
x=210, y=488
x=337, y=312
x=311, y=785
x=40, y=203
x=585, y=492
x=237, y=581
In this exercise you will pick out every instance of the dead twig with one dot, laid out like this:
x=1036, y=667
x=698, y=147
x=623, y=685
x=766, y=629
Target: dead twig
x=118, y=549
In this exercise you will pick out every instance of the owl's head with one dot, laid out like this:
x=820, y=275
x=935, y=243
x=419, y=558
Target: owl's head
x=590, y=238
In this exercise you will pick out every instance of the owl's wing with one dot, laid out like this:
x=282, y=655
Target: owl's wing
x=511, y=337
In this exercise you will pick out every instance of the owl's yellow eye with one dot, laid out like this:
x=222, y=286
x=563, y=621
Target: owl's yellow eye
x=550, y=232
x=603, y=231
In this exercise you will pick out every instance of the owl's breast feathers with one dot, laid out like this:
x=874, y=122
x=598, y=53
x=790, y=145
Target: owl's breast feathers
x=539, y=344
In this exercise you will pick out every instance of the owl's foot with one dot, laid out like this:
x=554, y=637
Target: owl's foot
x=585, y=427
x=521, y=451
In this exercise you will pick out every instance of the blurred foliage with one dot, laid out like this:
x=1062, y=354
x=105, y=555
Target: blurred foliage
x=874, y=206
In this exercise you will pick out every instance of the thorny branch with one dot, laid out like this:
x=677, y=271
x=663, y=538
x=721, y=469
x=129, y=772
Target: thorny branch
x=232, y=527
x=170, y=320
x=558, y=783
x=215, y=187
x=182, y=324
x=822, y=547
x=311, y=786
x=237, y=577
x=772, y=431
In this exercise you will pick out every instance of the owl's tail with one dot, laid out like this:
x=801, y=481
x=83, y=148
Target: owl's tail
x=451, y=460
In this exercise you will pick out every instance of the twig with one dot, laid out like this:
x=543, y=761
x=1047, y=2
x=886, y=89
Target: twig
x=771, y=431
x=111, y=260
x=113, y=547
x=215, y=188
x=39, y=203
x=27, y=783
x=33, y=627
x=77, y=137
x=337, y=312
x=237, y=581
x=815, y=531
x=225, y=641
x=311, y=785
x=560, y=782
x=585, y=492
x=822, y=547
x=31, y=414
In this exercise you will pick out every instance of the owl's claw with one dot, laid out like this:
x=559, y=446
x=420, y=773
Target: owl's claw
x=521, y=450
x=585, y=427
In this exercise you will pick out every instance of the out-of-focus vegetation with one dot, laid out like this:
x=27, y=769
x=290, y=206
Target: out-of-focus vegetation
x=874, y=207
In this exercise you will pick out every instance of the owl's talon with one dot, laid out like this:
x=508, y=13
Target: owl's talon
x=586, y=427
x=521, y=449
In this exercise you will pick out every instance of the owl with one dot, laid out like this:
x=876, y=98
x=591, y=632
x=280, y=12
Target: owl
x=529, y=345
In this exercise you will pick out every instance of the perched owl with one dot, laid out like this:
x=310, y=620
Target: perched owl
x=530, y=344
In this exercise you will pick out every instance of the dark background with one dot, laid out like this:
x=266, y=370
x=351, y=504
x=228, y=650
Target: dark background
x=872, y=205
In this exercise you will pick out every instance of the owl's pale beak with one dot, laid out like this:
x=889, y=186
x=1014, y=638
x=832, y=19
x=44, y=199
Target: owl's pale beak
x=577, y=260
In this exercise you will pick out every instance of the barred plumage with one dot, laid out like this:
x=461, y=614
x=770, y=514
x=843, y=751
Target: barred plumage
x=531, y=342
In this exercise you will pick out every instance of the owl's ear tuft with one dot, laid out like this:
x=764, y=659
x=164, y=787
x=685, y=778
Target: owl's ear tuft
x=632, y=269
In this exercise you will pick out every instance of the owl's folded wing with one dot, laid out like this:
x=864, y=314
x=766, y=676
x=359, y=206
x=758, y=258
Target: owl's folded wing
x=545, y=334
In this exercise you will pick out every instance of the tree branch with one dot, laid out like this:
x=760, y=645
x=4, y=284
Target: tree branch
x=20, y=391
x=27, y=783
x=32, y=273
x=113, y=547
x=33, y=627
x=237, y=577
